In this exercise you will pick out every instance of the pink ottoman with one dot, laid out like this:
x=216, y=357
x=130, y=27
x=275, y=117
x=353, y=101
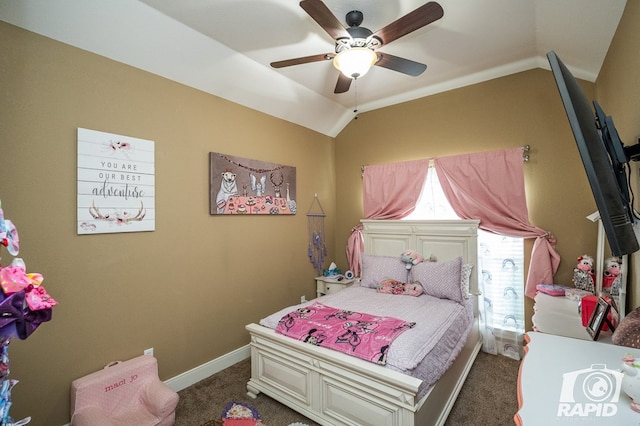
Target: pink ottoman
x=123, y=393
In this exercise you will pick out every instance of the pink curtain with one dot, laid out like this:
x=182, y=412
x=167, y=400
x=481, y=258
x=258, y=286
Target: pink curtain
x=391, y=191
x=490, y=186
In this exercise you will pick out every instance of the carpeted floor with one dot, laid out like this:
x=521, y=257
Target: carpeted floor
x=489, y=397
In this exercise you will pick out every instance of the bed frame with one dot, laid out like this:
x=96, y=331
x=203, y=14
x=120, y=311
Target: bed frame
x=333, y=388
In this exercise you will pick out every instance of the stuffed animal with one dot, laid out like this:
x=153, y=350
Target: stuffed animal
x=611, y=275
x=585, y=263
x=583, y=274
x=410, y=258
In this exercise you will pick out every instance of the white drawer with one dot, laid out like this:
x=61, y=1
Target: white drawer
x=331, y=288
x=325, y=286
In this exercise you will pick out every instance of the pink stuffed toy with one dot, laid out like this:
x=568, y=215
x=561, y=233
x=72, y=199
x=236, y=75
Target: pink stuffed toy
x=410, y=258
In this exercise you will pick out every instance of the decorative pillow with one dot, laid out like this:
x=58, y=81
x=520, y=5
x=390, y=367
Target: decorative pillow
x=397, y=287
x=379, y=268
x=413, y=289
x=440, y=279
x=464, y=279
x=390, y=287
x=628, y=331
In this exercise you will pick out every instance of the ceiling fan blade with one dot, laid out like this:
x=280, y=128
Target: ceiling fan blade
x=424, y=15
x=323, y=16
x=396, y=63
x=343, y=84
x=303, y=60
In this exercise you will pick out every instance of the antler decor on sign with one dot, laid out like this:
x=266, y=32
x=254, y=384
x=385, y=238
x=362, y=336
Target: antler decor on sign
x=117, y=217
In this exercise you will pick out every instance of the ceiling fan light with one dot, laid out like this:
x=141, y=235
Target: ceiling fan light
x=355, y=62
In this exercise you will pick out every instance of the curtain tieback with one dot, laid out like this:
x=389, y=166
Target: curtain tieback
x=549, y=237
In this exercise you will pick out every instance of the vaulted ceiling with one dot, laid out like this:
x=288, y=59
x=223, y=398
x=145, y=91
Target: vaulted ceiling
x=224, y=47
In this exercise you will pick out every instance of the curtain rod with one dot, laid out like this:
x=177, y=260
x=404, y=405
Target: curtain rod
x=525, y=157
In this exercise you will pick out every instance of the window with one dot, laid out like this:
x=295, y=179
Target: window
x=500, y=275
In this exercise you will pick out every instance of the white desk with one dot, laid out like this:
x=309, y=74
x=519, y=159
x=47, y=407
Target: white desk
x=552, y=372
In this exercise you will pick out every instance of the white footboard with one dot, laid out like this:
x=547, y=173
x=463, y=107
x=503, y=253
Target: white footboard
x=332, y=388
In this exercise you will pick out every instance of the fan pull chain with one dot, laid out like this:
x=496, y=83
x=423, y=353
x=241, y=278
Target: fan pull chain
x=355, y=94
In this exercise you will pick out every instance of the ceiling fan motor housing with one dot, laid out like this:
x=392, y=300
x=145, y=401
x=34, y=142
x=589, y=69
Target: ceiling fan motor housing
x=360, y=36
x=354, y=18
x=359, y=32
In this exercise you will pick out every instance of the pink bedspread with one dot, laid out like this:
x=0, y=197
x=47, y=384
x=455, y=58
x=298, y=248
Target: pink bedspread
x=355, y=333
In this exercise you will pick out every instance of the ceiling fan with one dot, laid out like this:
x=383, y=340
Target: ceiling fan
x=360, y=41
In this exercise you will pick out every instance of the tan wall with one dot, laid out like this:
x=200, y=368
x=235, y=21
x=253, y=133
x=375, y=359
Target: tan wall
x=186, y=289
x=521, y=109
x=517, y=110
x=618, y=92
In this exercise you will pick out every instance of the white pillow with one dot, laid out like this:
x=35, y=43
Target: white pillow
x=379, y=268
x=440, y=279
x=464, y=279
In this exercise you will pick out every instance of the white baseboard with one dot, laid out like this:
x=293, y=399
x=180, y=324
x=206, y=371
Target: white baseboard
x=201, y=372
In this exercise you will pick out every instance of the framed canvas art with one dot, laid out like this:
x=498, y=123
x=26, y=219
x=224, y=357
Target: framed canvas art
x=116, y=183
x=242, y=186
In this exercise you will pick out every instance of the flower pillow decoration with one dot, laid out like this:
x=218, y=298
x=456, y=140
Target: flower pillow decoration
x=391, y=286
x=24, y=302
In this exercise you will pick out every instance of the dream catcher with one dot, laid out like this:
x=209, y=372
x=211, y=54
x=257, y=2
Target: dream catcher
x=317, y=249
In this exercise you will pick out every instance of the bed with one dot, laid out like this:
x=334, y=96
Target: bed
x=333, y=388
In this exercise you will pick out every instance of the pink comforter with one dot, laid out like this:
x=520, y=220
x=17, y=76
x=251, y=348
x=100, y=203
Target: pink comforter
x=359, y=334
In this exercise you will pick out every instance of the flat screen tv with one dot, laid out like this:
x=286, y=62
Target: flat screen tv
x=605, y=159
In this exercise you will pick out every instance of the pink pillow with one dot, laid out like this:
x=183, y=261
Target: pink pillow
x=440, y=279
x=413, y=289
x=390, y=287
x=379, y=268
x=397, y=287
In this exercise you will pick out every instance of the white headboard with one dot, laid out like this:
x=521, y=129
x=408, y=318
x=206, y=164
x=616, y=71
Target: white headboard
x=446, y=239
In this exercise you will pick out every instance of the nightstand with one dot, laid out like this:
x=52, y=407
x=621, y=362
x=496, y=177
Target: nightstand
x=328, y=285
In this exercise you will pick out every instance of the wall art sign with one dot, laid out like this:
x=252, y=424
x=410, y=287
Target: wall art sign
x=242, y=186
x=116, y=183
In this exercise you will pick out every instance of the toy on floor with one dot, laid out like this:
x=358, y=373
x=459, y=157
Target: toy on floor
x=240, y=414
x=583, y=274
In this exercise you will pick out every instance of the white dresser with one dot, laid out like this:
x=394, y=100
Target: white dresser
x=561, y=316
